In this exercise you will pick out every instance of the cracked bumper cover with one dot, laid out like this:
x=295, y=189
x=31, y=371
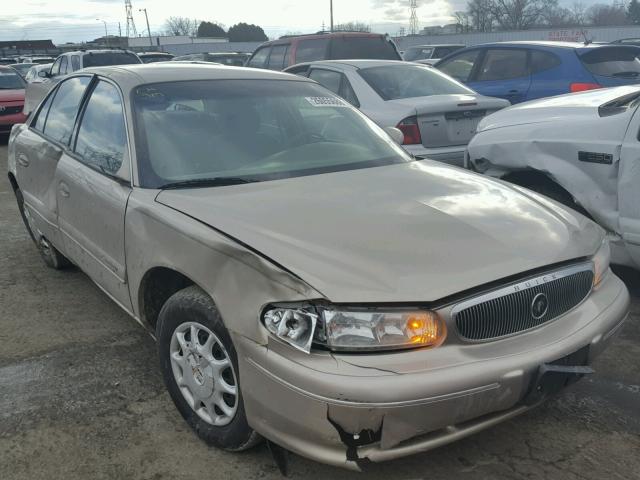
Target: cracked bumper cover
x=345, y=409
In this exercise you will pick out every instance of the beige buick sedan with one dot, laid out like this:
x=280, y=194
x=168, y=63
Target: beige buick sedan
x=307, y=281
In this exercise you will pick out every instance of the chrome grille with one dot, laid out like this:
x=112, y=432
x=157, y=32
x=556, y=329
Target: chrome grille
x=511, y=309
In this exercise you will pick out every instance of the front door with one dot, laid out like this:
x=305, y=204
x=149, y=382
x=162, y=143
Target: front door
x=93, y=187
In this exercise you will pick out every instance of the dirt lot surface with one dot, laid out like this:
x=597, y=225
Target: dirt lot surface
x=81, y=397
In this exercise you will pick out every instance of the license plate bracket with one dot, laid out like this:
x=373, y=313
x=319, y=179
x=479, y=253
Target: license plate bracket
x=553, y=377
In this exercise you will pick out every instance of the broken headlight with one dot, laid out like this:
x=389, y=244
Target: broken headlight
x=347, y=329
x=601, y=262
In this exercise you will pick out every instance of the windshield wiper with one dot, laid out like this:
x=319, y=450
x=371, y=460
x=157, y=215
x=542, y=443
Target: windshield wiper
x=207, y=182
x=626, y=74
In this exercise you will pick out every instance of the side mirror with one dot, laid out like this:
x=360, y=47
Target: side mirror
x=395, y=134
x=43, y=74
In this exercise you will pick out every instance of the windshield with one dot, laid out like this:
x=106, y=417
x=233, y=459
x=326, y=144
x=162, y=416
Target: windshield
x=10, y=80
x=251, y=130
x=407, y=81
x=613, y=61
x=109, y=58
x=417, y=53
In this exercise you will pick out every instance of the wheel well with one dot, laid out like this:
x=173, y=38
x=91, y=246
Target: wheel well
x=13, y=181
x=157, y=285
x=534, y=178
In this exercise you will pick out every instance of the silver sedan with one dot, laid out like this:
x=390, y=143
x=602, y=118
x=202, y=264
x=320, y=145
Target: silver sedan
x=437, y=114
x=308, y=281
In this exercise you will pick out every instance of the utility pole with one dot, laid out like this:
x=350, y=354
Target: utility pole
x=148, y=29
x=119, y=30
x=331, y=14
x=106, y=34
x=413, y=20
x=131, y=26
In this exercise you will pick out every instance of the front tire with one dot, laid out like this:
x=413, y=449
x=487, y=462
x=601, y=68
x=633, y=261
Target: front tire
x=200, y=369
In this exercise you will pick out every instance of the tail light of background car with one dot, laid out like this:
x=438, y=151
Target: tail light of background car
x=582, y=86
x=409, y=127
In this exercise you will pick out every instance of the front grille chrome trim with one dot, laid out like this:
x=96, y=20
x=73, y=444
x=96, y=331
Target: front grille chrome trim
x=511, y=304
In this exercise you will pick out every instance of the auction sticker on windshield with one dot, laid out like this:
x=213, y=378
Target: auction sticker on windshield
x=325, y=102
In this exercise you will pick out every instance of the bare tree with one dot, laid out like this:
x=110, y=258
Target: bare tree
x=479, y=13
x=463, y=23
x=604, y=15
x=352, y=27
x=520, y=14
x=181, y=26
x=579, y=13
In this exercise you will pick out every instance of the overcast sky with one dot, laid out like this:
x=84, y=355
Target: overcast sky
x=75, y=20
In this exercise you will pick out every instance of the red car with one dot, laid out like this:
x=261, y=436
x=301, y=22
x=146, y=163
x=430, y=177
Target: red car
x=11, y=99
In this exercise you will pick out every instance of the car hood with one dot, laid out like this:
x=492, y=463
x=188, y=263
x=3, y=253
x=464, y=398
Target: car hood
x=16, y=95
x=410, y=232
x=568, y=109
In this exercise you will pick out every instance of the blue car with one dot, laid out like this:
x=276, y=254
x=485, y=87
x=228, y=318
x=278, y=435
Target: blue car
x=521, y=71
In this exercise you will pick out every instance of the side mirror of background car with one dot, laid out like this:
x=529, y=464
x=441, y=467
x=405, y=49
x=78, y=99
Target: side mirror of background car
x=43, y=74
x=395, y=134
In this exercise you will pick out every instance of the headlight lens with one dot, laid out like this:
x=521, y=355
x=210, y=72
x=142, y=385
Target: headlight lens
x=345, y=329
x=601, y=262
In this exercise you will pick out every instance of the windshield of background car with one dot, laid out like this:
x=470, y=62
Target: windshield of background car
x=619, y=62
x=393, y=82
x=362, y=47
x=251, y=129
x=109, y=58
x=10, y=80
x=417, y=53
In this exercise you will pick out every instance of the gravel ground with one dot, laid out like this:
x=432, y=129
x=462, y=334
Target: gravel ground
x=81, y=397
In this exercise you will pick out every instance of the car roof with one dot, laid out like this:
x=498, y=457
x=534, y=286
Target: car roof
x=288, y=38
x=546, y=43
x=94, y=51
x=130, y=76
x=437, y=45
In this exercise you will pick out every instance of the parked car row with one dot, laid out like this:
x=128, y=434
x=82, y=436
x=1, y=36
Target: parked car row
x=308, y=281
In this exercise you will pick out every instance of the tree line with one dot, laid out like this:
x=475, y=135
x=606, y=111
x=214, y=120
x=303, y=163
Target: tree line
x=491, y=15
x=240, y=32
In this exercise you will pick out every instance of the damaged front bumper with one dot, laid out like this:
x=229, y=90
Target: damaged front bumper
x=344, y=410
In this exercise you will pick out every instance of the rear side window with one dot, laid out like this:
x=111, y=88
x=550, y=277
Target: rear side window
x=277, y=57
x=362, y=47
x=541, y=61
x=621, y=62
x=63, y=111
x=109, y=58
x=259, y=58
x=502, y=64
x=101, y=138
x=310, y=50
x=42, y=114
x=461, y=65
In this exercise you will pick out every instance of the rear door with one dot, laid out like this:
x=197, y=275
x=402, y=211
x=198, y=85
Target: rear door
x=461, y=66
x=93, y=186
x=39, y=151
x=503, y=73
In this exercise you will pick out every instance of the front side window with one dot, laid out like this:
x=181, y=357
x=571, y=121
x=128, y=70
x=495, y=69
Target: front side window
x=277, y=57
x=408, y=81
x=64, y=109
x=101, y=140
x=251, y=130
x=460, y=66
x=259, y=58
x=503, y=64
x=311, y=50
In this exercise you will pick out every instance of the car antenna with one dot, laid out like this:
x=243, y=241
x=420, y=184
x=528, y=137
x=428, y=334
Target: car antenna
x=586, y=40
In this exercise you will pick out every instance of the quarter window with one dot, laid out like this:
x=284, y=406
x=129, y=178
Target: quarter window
x=101, y=140
x=460, y=66
x=310, y=50
x=541, y=61
x=502, y=64
x=63, y=111
x=327, y=79
x=42, y=114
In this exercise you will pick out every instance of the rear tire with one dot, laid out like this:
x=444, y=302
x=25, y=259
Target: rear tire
x=199, y=366
x=50, y=254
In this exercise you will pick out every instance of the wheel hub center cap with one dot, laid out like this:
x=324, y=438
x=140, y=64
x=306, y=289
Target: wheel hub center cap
x=196, y=369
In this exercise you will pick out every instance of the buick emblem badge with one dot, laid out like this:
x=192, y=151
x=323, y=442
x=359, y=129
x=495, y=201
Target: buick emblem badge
x=539, y=306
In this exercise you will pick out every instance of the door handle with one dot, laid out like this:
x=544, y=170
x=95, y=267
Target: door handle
x=64, y=190
x=23, y=160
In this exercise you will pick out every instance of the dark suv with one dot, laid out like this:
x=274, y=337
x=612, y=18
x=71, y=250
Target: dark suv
x=289, y=50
